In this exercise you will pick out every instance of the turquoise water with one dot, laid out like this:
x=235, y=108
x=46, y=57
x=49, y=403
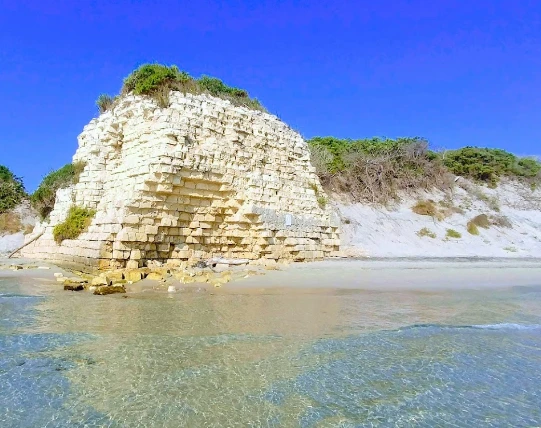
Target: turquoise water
x=321, y=359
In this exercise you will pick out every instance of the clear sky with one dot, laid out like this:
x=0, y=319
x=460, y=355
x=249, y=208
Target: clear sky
x=463, y=72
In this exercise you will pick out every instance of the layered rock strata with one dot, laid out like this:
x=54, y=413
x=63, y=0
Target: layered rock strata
x=196, y=180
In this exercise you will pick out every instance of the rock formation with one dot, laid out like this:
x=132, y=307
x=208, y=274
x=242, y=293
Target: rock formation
x=196, y=180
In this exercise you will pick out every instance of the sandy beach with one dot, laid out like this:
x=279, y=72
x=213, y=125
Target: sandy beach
x=366, y=274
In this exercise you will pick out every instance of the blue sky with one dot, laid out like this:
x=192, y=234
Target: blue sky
x=456, y=72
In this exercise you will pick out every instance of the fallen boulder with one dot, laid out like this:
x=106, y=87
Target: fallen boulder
x=109, y=289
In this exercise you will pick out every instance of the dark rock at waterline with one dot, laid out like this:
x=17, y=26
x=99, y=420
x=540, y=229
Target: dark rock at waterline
x=109, y=289
x=74, y=287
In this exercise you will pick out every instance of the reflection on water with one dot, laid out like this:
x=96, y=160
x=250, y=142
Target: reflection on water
x=313, y=359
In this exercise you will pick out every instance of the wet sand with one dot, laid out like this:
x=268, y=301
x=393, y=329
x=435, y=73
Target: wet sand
x=400, y=274
x=366, y=274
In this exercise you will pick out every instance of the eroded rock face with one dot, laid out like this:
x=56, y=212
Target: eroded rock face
x=199, y=179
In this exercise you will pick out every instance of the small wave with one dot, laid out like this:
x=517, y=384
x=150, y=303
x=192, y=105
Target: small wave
x=508, y=326
x=18, y=296
x=500, y=326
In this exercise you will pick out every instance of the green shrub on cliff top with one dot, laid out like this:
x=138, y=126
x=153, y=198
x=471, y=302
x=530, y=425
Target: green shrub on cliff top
x=11, y=190
x=76, y=222
x=43, y=199
x=155, y=79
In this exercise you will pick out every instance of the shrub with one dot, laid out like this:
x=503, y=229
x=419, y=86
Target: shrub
x=426, y=232
x=11, y=190
x=157, y=80
x=489, y=165
x=44, y=198
x=425, y=208
x=322, y=201
x=377, y=170
x=481, y=220
x=472, y=228
x=105, y=102
x=451, y=233
x=76, y=222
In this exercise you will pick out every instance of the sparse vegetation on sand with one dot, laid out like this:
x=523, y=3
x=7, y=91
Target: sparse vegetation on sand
x=44, y=197
x=76, y=222
x=157, y=80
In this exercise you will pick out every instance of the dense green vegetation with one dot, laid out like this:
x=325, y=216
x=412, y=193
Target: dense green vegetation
x=11, y=190
x=44, y=197
x=156, y=80
x=76, y=222
x=376, y=169
x=489, y=165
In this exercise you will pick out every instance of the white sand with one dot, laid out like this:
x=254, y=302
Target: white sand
x=380, y=232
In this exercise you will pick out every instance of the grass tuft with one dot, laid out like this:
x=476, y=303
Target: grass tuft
x=451, y=233
x=472, y=228
x=426, y=232
x=322, y=201
x=105, y=102
x=427, y=208
x=76, y=222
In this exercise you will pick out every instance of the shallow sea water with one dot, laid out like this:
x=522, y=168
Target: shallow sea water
x=342, y=358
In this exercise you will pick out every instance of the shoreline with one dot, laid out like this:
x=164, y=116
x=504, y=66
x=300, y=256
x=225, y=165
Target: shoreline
x=383, y=274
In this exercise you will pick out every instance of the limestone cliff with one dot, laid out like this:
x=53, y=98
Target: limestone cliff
x=198, y=179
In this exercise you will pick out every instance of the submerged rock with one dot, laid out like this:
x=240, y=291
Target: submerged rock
x=74, y=287
x=109, y=289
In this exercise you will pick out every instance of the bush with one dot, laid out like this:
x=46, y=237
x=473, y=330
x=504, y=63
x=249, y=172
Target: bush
x=451, y=233
x=11, y=190
x=377, y=170
x=105, y=102
x=425, y=208
x=426, y=232
x=156, y=80
x=44, y=198
x=76, y=222
x=472, y=228
x=489, y=165
x=481, y=220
